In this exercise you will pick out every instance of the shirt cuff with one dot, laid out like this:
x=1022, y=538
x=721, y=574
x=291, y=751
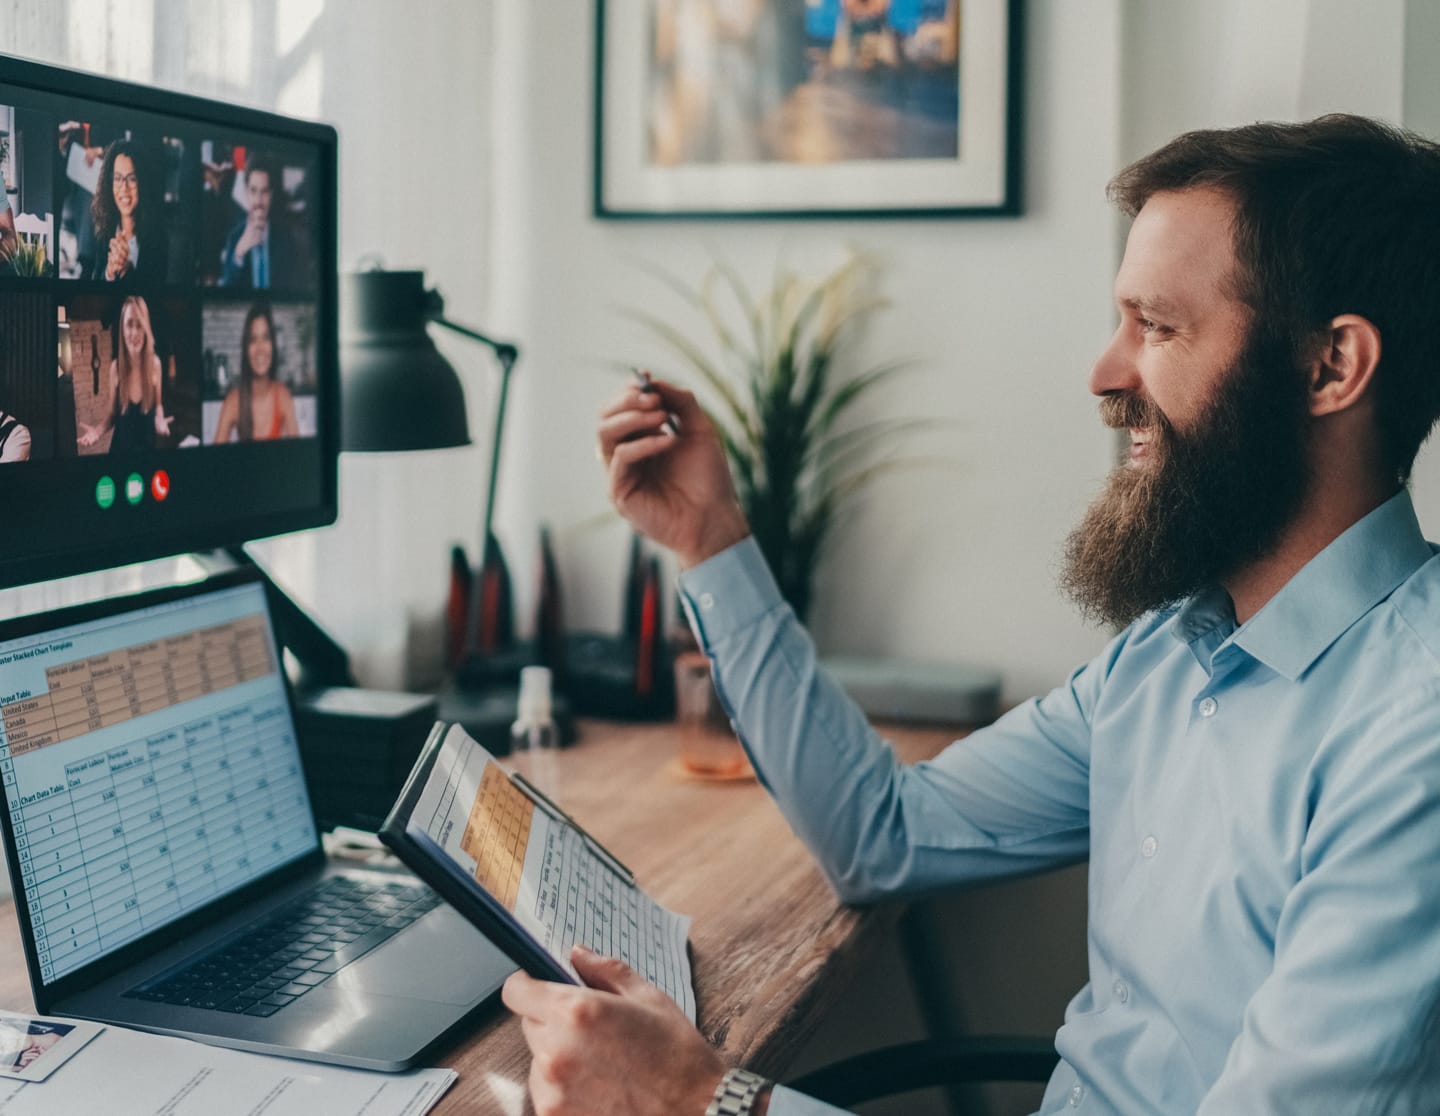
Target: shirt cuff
x=787, y=1102
x=728, y=592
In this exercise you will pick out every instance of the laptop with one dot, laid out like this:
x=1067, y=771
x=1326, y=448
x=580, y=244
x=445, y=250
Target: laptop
x=167, y=868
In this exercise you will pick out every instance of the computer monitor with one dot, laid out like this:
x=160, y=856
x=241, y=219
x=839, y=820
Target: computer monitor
x=168, y=323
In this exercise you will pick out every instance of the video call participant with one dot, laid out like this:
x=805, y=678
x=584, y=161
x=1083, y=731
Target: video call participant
x=259, y=407
x=130, y=238
x=8, y=238
x=260, y=251
x=136, y=413
x=14, y=439
x=1251, y=767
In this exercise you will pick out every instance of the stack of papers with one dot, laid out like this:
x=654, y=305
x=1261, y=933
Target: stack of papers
x=130, y=1073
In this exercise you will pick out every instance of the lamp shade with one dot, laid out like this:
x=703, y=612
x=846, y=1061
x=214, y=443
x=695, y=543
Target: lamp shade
x=398, y=392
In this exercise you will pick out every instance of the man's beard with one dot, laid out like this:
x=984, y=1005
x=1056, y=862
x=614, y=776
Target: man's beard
x=1210, y=501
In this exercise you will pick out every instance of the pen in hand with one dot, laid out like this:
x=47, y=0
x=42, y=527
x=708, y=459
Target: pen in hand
x=671, y=425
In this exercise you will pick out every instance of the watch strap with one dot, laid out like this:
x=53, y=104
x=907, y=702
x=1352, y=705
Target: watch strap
x=736, y=1093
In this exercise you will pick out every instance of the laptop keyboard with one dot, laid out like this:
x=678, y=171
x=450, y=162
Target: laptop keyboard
x=275, y=961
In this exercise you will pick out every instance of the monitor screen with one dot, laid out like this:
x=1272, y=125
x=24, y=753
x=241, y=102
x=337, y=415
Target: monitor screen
x=168, y=323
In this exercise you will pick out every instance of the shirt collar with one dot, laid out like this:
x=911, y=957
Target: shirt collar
x=1334, y=589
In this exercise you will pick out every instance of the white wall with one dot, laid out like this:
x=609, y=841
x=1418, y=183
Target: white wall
x=1005, y=315
x=412, y=99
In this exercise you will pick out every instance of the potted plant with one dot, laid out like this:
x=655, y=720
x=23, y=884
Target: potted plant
x=28, y=260
x=778, y=365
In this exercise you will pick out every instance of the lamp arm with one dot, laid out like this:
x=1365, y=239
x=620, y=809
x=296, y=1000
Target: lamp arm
x=506, y=355
x=505, y=352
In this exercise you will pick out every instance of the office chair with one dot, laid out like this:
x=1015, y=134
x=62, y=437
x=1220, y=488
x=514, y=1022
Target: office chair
x=908, y=1066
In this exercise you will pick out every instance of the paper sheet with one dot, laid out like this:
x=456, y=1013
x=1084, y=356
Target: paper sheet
x=545, y=872
x=130, y=1073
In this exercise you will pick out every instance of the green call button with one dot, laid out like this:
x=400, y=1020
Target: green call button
x=134, y=488
x=105, y=492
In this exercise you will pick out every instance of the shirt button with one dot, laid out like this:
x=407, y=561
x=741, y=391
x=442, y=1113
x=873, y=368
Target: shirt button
x=707, y=600
x=1122, y=992
x=1148, y=847
x=1077, y=1094
x=1208, y=707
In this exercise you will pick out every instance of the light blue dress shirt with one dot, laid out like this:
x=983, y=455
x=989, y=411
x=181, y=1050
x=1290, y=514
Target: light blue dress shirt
x=1260, y=806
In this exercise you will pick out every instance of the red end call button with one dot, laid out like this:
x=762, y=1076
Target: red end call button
x=160, y=484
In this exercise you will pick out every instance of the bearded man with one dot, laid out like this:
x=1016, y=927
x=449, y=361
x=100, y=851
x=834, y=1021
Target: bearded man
x=1252, y=766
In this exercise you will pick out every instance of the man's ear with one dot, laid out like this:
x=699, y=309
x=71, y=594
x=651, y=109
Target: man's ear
x=1344, y=364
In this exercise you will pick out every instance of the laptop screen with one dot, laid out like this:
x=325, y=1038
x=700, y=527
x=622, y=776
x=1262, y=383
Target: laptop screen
x=150, y=766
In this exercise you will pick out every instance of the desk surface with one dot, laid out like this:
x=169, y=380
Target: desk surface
x=772, y=950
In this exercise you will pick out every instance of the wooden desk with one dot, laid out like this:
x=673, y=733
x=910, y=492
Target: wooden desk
x=772, y=950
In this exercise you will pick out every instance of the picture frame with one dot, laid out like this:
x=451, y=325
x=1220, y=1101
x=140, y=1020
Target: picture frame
x=807, y=109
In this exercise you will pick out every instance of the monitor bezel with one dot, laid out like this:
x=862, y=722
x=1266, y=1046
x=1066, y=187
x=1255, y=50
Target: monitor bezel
x=23, y=569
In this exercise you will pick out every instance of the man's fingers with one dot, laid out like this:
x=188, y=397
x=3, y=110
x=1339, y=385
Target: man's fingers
x=629, y=454
x=608, y=974
x=533, y=999
x=627, y=425
x=677, y=399
x=631, y=399
x=534, y=1032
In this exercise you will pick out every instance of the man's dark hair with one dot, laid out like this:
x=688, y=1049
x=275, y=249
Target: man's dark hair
x=265, y=165
x=1338, y=215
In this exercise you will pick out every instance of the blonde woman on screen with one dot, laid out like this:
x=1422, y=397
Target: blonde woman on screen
x=136, y=414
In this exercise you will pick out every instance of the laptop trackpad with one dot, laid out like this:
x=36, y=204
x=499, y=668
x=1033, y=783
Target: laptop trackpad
x=441, y=958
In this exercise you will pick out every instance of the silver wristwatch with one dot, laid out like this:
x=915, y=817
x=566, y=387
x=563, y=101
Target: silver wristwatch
x=736, y=1093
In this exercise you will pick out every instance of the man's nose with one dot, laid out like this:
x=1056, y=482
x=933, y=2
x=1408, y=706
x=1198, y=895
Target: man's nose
x=1114, y=369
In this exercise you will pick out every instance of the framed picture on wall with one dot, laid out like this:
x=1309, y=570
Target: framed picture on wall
x=807, y=108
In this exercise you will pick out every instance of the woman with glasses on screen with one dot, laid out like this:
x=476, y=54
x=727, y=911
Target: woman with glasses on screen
x=259, y=407
x=136, y=414
x=129, y=233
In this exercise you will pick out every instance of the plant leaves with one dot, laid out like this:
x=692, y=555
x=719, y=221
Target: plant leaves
x=794, y=466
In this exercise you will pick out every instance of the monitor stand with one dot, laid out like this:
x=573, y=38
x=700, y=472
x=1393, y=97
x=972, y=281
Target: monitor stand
x=481, y=695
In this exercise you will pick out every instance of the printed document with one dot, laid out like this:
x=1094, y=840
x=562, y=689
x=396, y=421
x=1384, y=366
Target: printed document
x=130, y=1073
x=556, y=881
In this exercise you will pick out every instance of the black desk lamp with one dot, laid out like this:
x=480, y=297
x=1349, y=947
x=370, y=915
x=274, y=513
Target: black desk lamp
x=401, y=394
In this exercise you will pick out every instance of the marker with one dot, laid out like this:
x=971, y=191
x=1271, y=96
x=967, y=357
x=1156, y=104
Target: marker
x=671, y=425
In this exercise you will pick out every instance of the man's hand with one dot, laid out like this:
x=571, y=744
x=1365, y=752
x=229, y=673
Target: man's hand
x=620, y=1045
x=676, y=489
x=254, y=234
